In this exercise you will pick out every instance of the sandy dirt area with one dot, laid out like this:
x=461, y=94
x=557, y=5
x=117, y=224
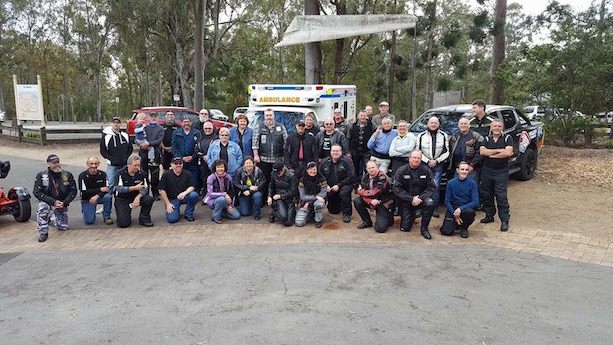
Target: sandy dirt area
x=570, y=191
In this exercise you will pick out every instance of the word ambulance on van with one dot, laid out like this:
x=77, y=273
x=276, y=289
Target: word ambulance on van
x=292, y=102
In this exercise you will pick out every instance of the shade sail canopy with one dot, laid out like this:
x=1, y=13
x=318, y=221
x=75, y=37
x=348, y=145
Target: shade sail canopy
x=314, y=28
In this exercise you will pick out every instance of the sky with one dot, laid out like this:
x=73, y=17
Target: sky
x=534, y=7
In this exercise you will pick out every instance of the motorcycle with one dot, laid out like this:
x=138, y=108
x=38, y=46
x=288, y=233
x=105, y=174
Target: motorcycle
x=17, y=201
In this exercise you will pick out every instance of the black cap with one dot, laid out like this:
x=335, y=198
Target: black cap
x=277, y=167
x=311, y=165
x=185, y=117
x=300, y=123
x=52, y=158
x=177, y=159
x=116, y=118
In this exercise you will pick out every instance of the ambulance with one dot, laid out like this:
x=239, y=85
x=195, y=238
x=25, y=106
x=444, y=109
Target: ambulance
x=292, y=102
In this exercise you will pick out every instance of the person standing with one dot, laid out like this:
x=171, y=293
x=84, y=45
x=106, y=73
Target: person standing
x=94, y=187
x=328, y=137
x=384, y=113
x=201, y=151
x=184, y=143
x=55, y=189
x=226, y=150
x=339, y=172
x=369, y=112
x=374, y=192
x=359, y=133
x=339, y=122
x=480, y=122
x=249, y=181
x=401, y=146
x=203, y=117
x=299, y=150
x=312, y=191
x=311, y=124
x=413, y=188
x=434, y=146
x=282, y=194
x=132, y=191
x=242, y=135
x=166, y=146
x=464, y=147
x=495, y=153
x=176, y=188
x=151, y=167
x=268, y=144
x=380, y=142
x=115, y=147
x=461, y=201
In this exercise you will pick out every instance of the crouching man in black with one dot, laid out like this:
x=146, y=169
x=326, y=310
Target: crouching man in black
x=132, y=191
x=282, y=191
x=413, y=187
x=461, y=200
x=374, y=192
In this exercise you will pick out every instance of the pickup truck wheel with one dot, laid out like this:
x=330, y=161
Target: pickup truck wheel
x=527, y=166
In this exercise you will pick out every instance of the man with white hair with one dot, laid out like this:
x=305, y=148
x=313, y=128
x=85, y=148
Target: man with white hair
x=434, y=146
x=380, y=142
x=464, y=147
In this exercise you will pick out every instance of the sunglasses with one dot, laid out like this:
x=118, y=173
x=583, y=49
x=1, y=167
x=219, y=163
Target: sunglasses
x=224, y=135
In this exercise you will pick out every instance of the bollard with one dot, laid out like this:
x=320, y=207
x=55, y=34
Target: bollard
x=43, y=136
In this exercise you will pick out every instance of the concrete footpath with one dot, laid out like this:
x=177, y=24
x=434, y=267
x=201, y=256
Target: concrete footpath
x=303, y=294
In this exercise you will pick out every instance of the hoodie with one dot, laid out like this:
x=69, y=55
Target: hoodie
x=115, y=147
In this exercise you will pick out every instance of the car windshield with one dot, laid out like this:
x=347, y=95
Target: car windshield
x=529, y=109
x=449, y=121
x=286, y=118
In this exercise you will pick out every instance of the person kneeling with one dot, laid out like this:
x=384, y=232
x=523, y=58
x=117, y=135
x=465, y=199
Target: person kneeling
x=461, y=200
x=282, y=189
x=374, y=192
x=176, y=187
x=220, y=193
x=413, y=187
x=312, y=188
x=249, y=181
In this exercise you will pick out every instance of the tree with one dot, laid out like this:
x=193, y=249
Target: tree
x=312, y=51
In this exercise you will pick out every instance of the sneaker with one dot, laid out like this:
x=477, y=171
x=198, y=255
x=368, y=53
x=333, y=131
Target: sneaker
x=99, y=210
x=108, y=221
x=218, y=221
x=405, y=230
x=464, y=233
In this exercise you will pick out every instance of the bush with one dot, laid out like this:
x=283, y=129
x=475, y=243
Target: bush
x=33, y=135
x=569, y=129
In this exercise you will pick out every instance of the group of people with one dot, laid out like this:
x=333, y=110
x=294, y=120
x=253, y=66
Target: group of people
x=235, y=171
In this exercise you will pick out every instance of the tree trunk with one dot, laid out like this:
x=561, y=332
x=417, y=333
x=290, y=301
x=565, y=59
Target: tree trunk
x=181, y=68
x=392, y=73
x=339, y=54
x=312, y=51
x=413, y=76
x=498, y=51
x=158, y=95
x=429, y=63
x=199, y=20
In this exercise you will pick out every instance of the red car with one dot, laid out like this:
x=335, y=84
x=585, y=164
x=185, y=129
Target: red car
x=179, y=113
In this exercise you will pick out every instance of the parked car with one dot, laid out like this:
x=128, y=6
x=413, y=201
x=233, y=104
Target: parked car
x=238, y=111
x=534, y=112
x=2, y=115
x=179, y=113
x=605, y=118
x=527, y=135
x=218, y=115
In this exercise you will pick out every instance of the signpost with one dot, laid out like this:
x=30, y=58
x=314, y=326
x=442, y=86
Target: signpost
x=29, y=101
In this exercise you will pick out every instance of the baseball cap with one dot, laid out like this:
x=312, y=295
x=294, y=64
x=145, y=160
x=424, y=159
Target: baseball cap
x=116, y=118
x=277, y=167
x=185, y=118
x=384, y=103
x=53, y=158
x=177, y=159
x=300, y=123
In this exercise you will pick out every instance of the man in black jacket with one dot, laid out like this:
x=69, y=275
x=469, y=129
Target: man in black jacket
x=299, y=150
x=115, y=147
x=55, y=188
x=166, y=146
x=155, y=135
x=282, y=191
x=340, y=175
x=359, y=133
x=413, y=187
x=268, y=145
x=132, y=191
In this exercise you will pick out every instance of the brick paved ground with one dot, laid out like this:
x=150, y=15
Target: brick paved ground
x=16, y=237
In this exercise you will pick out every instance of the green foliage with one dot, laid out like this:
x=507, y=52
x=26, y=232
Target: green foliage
x=568, y=129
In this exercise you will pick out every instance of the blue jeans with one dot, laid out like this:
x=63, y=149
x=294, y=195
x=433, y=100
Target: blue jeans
x=245, y=204
x=111, y=171
x=89, y=210
x=437, y=171
x=191, y=200
x=220, y=209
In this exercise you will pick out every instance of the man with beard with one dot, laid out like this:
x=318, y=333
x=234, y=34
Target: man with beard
x=328, y=137
x=339, y=122
x=184, y=142
x=55, y=189
x=374, y=192
x=132, y=191
x=464, y=147
x=151, y=168
x=94, y=187
x=413, y=188
x=201, y=151
x=268, y=145
x=461, y=201
x=169, y=127
x=299, y=150
x=359, y=133
x=339, y=172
